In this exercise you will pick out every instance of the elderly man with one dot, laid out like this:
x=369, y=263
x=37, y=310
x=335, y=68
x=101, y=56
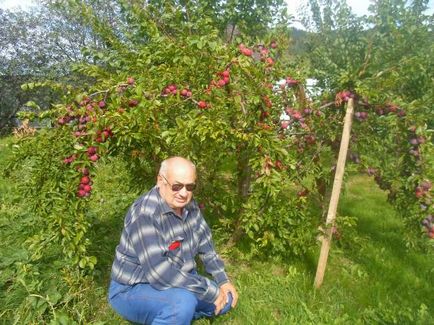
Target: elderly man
x=154, y=276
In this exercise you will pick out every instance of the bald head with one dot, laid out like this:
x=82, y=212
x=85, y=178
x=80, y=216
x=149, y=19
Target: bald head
x=176, y=164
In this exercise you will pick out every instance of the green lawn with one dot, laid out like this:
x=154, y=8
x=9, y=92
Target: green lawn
x=371, y=277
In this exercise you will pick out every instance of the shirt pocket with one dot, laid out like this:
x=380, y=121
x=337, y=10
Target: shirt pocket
x=174, y=252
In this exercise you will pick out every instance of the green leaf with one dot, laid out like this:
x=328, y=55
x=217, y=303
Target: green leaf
x=82, y=263
x=32, y=104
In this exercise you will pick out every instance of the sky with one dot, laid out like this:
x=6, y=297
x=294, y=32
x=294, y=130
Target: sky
x=13, y=4
x=359, y=7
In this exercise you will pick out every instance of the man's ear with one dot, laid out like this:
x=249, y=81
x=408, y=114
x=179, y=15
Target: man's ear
x=159, y=181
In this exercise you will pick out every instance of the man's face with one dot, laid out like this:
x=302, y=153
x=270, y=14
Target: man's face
x=177, y=174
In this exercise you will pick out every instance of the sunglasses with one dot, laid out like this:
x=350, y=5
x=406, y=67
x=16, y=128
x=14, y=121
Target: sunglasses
x=179, y=186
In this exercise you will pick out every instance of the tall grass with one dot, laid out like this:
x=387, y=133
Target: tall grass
x=371, y=277
x=14, y=228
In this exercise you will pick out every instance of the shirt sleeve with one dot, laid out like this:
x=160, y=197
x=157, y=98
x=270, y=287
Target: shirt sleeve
x=212, y=262
x=162, y=273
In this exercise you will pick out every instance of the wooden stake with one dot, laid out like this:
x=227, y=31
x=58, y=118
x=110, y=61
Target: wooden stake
x=331, y=214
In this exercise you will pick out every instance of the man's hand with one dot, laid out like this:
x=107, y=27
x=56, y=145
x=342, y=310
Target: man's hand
x=228, y=287
x=220, y=302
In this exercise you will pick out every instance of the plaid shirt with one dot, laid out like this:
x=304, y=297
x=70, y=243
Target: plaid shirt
x=158, y=247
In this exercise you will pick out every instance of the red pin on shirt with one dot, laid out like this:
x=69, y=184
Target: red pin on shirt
x=174, y=245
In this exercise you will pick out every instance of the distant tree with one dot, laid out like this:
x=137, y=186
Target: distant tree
x=396, y=39
x=32, y=49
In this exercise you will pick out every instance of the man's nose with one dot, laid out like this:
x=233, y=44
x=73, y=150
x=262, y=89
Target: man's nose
x=183, y=191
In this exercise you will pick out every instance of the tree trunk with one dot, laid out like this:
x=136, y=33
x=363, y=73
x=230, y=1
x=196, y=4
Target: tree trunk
x=244, y=181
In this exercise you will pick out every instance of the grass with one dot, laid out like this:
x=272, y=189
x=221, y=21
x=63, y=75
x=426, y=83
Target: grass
x=371, y=277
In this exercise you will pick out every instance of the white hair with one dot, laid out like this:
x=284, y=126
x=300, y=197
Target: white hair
x=164, y=167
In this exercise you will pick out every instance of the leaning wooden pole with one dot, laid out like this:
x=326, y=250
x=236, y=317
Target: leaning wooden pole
x=331, y=214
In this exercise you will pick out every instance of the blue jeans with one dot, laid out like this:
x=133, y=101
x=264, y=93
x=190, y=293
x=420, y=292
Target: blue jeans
x=143, y=304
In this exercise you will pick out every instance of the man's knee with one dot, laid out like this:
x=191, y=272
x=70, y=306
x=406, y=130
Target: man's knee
x=186, y=307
